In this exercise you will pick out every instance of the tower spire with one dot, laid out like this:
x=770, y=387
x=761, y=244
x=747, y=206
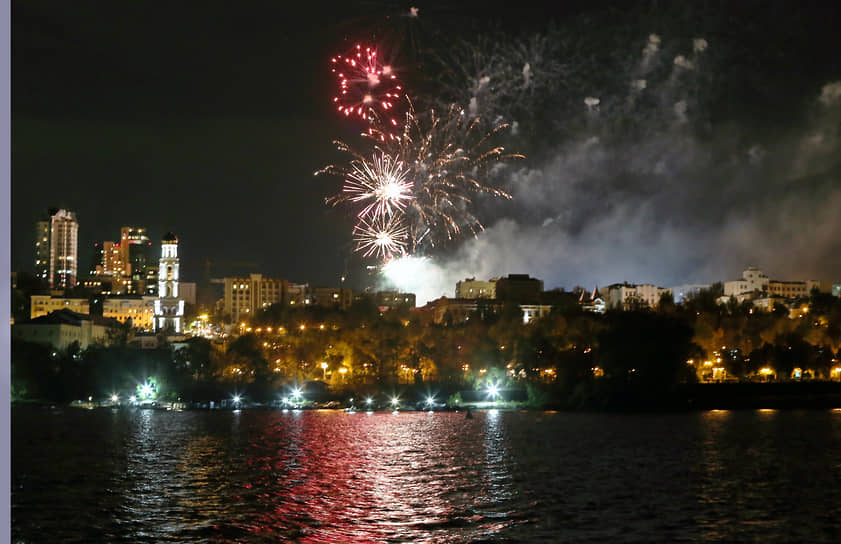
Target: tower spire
x=169, y=308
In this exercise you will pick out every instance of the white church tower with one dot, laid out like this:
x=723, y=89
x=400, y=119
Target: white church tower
x=169, y=308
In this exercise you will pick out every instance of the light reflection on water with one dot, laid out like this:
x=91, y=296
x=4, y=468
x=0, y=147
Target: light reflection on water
x=321, y=476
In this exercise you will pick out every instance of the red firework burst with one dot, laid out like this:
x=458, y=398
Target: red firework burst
x=368, y=89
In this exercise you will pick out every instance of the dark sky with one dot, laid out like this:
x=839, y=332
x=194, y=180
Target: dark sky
x=204, y=118
x=209, y=118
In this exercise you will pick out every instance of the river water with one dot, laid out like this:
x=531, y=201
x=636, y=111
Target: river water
x=89, y=476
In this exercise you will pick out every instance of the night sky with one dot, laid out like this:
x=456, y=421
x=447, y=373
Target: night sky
x=208, y=119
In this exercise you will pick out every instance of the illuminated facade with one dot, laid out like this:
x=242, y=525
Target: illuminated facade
x=45, y=304
x=624, y=296
x=57, y=249
x=169, y=308
x=140, y=310
x=246, y=295
x=787, y=289
x=753, y=280
x=471, y=288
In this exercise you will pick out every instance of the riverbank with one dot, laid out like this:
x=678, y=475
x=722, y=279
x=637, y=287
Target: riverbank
x=687, y=397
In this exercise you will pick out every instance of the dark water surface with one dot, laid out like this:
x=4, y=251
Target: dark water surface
x=91, y=476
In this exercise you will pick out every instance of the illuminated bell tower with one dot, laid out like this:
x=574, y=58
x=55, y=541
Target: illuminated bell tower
x=169, y=308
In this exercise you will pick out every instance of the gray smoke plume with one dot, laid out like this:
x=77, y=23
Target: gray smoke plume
x=647, y=190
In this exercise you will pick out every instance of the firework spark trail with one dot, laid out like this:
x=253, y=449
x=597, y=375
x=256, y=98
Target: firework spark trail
x=381, y=183
x=384, y=238
x=448, y=161
x=444, y=162
x=366, y=85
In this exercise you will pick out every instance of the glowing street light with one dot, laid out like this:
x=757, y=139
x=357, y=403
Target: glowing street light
x=493, y=391
x=368, y=401
x=296, y=395
x=395, y=401
x=114, y=398
x=324, y=371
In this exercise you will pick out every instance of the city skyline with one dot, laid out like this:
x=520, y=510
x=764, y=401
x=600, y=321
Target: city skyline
x=223, y=151
x=110, y=265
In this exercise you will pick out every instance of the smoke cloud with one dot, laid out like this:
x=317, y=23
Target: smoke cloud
x=649, y=191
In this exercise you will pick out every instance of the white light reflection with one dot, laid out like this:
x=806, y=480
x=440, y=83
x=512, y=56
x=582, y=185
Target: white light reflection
x=496, y=477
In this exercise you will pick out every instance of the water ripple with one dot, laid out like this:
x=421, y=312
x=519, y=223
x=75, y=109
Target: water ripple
x=321, y=476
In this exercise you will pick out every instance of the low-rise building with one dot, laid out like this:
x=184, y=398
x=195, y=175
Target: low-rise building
x=140, y=310
x=534, y=311
x=753, y=279
x=385, y=300
x=247, y=295
x=41, y=305
x=471, y=288
x=592, y=302
x=787, y=289
x=824, y=287
x=296, y=294
x=186, y=292
x=624, y=296
x=519, y=288
x=450, y=310
x=62, y=328
x=339, y=297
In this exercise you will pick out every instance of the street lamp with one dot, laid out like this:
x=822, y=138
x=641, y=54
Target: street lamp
x=324, y=371
x=493, y=391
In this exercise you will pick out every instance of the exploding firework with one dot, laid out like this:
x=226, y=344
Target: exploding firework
x=384, y=237
x=367, y=87
x=445, y=162
x=379, y=184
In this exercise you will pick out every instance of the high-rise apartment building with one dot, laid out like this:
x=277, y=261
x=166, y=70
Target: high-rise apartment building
x=42, y=250
x=57, y=249
x=135, y=251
